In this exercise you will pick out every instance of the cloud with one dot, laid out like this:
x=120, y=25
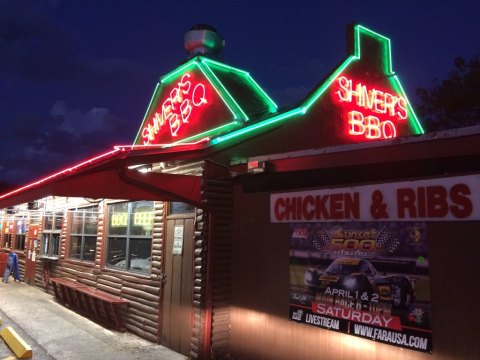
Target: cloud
x=45, y=144
x=34, y=48
x=40, y=62
x=31, y=46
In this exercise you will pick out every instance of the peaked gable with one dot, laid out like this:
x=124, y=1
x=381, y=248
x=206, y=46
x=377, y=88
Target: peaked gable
x=361, y=100
x=200, y=99
x=367, y=99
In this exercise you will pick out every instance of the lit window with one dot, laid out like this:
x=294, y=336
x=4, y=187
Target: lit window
x=7, y=234
x=20, y=233
x=83, y=234
x=52, y=228
x=130, y=227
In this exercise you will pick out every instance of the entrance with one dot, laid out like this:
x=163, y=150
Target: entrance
x=177, y=293
x=32, y=243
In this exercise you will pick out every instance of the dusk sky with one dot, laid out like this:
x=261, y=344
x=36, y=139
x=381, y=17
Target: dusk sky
x=76, y=76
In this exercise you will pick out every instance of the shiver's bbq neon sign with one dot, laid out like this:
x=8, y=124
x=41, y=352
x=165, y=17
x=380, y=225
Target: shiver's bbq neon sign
x=389, y=108
x=176, y=109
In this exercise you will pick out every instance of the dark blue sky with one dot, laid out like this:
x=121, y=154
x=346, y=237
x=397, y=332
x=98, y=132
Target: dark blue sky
x=76, y=76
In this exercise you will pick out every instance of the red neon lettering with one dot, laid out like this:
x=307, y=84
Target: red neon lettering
x=402, y=108
x=355, y=120
x=373, y=128
x=380, y=102
x=198, y=95
x=176, y=109
x=372, y=99
x=344, y=94
x=389, y=103
x=388, y=130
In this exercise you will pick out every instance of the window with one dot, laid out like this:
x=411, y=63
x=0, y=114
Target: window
x=83, y=234
x=52, y=228
x=8, y=234
x=130, y=227
x=20, y=233
x=180, y=208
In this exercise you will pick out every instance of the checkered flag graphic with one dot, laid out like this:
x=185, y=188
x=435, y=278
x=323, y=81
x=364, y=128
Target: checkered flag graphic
x=320, y=240
x=387, y=241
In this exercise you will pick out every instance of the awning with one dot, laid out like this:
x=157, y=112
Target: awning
x=108, y=176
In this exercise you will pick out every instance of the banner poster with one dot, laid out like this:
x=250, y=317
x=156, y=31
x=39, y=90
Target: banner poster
x=366, y=279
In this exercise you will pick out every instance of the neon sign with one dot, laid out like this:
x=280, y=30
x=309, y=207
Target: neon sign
x=379, y=102
x=176, y=109
x=142, y=218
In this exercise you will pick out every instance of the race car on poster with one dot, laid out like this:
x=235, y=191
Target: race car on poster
x=358, y=276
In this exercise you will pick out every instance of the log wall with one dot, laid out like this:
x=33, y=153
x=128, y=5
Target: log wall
x=143, y=291
x=211, y=299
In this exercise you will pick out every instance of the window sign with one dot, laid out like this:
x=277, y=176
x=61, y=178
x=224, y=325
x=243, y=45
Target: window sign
x=119, y=219
x=143, y=218
x=178, y=240
x=129, y=241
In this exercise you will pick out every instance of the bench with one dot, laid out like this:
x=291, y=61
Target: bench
x=96, y=304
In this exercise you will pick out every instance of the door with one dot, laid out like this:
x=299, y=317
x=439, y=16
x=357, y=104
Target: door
x=177, y=315
x=30, y=261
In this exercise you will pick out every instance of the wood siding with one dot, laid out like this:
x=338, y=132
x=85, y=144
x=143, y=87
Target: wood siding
x=260, y=326
x=142, y=290
x=213, y=233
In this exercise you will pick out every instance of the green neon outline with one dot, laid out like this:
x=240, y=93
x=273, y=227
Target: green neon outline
x=203, y=134
x=173, y=74
x=220, y=93
x=225, y=91
x=416, y=125
x=308, y=103
x=228, y=67
x=387, y=60
x=164, y=79
x=258, y=125
x=272, y=106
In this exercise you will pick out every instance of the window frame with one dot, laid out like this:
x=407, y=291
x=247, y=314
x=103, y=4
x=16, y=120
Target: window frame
x=83, y=235
x=128, y=236
x=20, y=237
x=10, y=225
x=52, y=235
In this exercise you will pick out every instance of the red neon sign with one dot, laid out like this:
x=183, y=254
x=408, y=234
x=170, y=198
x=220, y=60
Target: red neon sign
x=367, y=100
x=176, y=109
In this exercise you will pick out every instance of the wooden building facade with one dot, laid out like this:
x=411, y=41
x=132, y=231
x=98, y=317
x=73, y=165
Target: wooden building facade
x=207, y=223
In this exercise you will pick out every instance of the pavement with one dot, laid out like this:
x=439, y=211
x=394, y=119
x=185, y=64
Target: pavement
x=56, y=333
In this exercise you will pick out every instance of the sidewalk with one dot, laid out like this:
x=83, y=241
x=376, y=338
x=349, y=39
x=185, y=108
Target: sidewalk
x=57, y=333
